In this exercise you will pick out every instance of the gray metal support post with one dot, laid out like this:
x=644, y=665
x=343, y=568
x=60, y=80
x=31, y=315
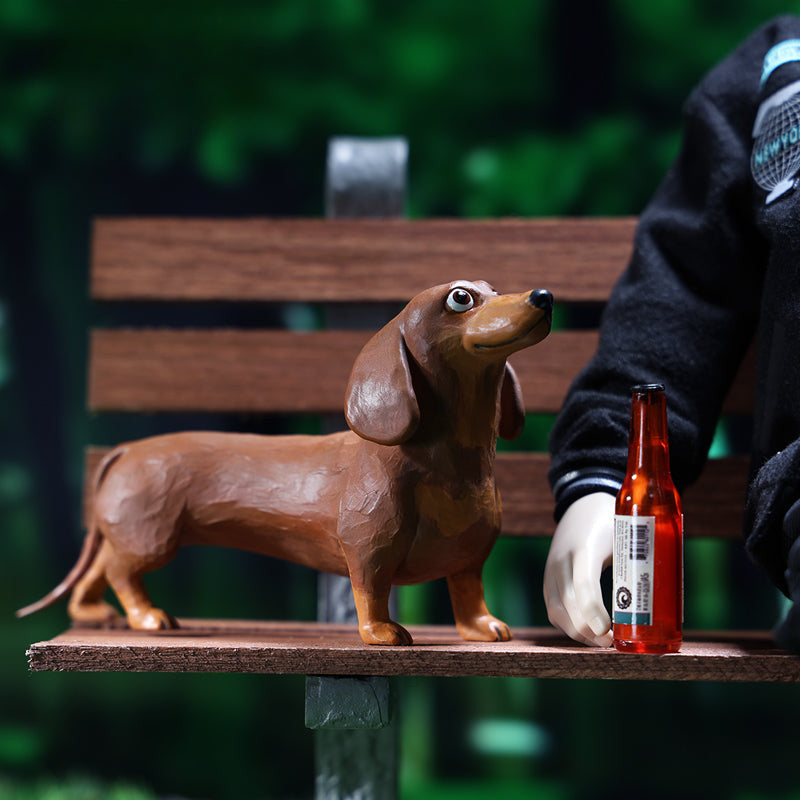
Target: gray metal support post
x=356, y=743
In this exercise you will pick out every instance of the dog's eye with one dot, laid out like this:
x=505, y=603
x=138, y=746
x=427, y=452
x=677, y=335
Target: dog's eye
x=460, y=300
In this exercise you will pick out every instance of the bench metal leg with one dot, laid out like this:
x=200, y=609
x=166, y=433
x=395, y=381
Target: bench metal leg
x=356, y=742
x=355, y=738
x=356, y=765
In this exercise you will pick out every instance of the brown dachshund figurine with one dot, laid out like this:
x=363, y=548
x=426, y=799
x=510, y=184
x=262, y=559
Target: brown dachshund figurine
x=407, y=496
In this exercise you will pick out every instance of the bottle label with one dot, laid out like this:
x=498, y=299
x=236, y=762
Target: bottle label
x=632, y=602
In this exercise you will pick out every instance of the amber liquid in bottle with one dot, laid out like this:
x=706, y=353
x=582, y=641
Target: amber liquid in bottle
x=647, y=599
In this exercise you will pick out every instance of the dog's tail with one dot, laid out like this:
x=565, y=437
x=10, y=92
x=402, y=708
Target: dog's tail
x=91, y=544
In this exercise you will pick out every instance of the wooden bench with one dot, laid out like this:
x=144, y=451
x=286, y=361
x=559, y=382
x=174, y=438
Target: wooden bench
x=374, y=266
x=283, y=371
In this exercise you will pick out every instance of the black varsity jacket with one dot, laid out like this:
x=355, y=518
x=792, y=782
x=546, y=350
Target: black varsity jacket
x=716, y=259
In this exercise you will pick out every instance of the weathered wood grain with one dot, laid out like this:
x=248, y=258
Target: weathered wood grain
x=713, y=507
x=268, y=371
x=326, y=649
x=330, y=260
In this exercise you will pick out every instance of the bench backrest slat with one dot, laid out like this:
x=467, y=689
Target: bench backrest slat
x=527, y=502
x=275, y=371
x=283, y=371
x=273, y=260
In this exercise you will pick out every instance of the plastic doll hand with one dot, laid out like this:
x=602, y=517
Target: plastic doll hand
x=580, y=550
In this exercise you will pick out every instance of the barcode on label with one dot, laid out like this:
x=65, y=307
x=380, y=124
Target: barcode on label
x=634, y=544
x=640, y=542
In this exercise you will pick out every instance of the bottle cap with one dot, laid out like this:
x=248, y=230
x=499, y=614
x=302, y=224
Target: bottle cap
x=647, y=388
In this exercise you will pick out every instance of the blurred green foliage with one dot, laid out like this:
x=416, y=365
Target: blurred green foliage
x=516, y=107
x=73, y=788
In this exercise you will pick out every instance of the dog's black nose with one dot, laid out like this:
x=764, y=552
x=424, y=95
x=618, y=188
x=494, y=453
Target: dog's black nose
x=541, y=298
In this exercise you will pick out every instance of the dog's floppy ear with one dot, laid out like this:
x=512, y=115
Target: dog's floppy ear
x=512, y=408
x=380, y=404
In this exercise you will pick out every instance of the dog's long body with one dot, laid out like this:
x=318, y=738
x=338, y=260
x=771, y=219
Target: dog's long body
x=408, y=495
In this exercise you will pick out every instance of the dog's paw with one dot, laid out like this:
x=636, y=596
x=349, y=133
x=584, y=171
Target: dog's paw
x=385, y=633
x=152, y=619
x=99, y=614
x=485, y=629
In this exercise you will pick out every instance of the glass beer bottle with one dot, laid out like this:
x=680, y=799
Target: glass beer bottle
x=647, y=598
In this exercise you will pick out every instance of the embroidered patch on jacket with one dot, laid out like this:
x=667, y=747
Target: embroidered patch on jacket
x=775, y=159
x=782, y=53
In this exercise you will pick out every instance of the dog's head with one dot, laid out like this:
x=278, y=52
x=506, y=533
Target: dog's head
x=461, y=327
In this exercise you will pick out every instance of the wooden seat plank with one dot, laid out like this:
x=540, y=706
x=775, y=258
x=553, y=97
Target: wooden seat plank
x=326, y=649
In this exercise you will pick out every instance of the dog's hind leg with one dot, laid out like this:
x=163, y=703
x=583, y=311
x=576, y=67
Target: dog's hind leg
x=473, y=620
x=86, y=604
x=125, y=577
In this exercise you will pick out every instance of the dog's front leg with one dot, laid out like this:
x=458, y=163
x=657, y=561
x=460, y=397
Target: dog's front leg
x=375, y=538
x=371, y=594
x=473, y=620
x=372, y=582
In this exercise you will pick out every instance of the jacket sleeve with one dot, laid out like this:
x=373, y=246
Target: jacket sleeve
x=772, y=494
x=684, y=311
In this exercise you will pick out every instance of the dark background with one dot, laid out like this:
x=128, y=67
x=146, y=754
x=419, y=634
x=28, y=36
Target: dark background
x=192, y=108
